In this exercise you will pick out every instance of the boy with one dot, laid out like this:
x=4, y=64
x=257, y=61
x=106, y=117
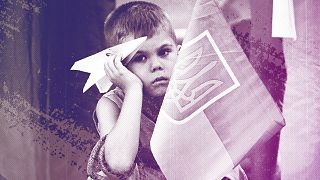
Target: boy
x=126, y=115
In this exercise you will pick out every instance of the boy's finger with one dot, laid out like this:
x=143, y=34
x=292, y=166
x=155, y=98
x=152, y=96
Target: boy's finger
x=117, y=62
x=122, y=69
x=114, y=66
x=110, y=65
x=106, y=69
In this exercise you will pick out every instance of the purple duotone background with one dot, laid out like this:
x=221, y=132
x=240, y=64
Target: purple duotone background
x=46, y=128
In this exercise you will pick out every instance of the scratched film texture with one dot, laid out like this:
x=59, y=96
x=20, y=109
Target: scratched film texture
x=46, y=128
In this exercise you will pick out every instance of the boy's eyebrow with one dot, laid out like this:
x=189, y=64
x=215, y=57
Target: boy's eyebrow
x=139, y=52
x=162, y=46
x=165, y=45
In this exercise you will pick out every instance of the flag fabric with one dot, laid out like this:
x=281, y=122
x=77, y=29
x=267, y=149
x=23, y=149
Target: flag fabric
x=299, y=148
x=216, y=108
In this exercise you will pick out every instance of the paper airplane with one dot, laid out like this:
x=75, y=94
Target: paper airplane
x=94, y=64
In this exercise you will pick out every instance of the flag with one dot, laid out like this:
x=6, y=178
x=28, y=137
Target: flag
x=216, y=108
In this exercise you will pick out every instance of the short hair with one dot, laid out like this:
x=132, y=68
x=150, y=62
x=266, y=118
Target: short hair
x=137, y=18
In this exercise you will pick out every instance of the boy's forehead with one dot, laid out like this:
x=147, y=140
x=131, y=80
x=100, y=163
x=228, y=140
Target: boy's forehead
x=152, y=44
x=158, y=39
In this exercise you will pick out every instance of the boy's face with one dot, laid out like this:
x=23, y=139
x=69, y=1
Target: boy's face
x=153, y=63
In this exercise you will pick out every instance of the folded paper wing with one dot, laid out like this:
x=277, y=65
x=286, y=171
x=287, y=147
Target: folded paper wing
x=216, y=108
x=94, y=64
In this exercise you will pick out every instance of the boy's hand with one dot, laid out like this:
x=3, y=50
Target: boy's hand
x=120, y=76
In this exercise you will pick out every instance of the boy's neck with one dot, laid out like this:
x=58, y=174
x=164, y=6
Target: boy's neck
x=151, y=106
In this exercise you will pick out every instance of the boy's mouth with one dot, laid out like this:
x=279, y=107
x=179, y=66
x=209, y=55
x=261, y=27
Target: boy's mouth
x=160, y=81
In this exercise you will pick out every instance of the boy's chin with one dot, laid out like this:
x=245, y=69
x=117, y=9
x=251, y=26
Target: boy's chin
x=159, y=92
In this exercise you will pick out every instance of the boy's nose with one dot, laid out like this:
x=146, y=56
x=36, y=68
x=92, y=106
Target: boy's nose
x=156, y=64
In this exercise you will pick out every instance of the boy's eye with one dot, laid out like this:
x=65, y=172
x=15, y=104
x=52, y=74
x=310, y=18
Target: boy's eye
x=164, y=52
x=139, y=58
